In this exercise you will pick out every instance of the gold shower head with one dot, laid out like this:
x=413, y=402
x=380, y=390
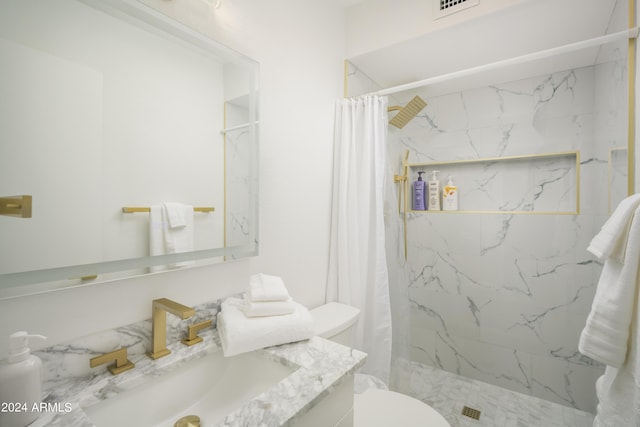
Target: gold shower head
x=407, y=112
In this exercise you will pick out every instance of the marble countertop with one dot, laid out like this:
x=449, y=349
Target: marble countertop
x=320, y=366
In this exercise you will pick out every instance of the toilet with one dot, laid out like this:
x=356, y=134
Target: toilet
x=375, y=407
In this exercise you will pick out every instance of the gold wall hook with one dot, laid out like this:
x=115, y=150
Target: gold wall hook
x=192, y=334
x=18, y=206
x=121, y=364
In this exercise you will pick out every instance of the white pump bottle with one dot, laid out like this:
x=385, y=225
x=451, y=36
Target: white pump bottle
x=434, y=192
x=20, y=382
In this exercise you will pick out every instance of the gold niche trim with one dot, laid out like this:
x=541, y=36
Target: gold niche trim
x=403, y=179
x=576, y=154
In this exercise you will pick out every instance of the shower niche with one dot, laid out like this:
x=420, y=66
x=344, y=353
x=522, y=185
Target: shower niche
x=546, y=183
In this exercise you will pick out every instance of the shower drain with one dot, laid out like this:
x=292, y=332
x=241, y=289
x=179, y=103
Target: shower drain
x=471, y=412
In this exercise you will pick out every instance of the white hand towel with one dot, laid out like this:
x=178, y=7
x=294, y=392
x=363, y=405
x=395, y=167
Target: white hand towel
x=268, y=308
x=606, y=333
x=178, y=239
x=156, y=231
x=264, y=287
x=165, y=240
x=176, y=214
x=240, y=334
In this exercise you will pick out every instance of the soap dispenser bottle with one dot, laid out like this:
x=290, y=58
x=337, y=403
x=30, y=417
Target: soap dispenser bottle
x=434, y=192
x=450, y=196
x=21, y=382
x=419, y=190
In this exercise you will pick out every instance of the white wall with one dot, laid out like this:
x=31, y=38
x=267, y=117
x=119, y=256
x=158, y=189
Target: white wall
x=375, y=24
x=397, y=42
x=299, y=44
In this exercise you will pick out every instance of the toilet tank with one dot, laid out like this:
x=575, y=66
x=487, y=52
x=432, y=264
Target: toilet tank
x=335, y=321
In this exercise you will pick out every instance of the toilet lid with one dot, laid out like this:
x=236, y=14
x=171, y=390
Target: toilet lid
x=384, y=408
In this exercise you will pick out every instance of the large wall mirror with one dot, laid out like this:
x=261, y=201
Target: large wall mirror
x=110, y=111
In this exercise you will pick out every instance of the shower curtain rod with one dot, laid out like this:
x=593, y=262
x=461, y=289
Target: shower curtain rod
x=631, y=33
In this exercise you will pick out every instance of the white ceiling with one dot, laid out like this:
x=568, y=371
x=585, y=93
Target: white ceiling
x=528, y=27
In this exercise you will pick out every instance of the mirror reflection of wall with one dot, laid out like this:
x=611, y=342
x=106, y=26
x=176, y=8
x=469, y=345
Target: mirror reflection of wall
x=100, y=111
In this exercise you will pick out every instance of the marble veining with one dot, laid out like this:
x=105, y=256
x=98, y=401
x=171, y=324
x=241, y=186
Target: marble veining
x=502, y=297
x=448, y=393
x=320, y=366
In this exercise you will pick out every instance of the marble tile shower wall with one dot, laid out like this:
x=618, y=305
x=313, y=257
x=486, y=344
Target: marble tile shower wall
x=502, y=298
x=241, y=202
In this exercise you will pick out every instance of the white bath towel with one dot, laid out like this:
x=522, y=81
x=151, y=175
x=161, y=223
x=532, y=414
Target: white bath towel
x=264, y=287
x=612, y=331
x=240, y=334
x=165, y=239
x=268, y=308
x=612, y=236
x=605, y=335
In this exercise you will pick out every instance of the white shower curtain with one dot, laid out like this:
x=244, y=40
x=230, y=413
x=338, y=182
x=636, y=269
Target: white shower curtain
x=358, y=273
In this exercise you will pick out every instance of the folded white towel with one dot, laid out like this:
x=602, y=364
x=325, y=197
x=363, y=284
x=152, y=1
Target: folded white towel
x=268, y=308
x=611, y=239
x=264, y=287
x=240, y=334
x=177, y=214
x=606, y=333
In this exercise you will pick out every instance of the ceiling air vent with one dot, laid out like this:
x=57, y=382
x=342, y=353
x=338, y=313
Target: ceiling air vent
x=442, y=8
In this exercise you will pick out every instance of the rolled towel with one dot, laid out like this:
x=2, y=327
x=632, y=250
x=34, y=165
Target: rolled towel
x=263, y=287
x=268, y=308
x=241, y=334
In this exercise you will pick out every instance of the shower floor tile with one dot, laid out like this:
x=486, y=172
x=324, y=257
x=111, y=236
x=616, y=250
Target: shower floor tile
x=448, y=393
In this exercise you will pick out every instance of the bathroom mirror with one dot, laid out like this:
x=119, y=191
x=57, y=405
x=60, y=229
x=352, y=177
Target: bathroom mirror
x=107, y=109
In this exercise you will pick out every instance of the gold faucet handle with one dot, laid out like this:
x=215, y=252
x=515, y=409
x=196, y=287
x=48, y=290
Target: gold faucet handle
x=121, y=364
x=193, y=337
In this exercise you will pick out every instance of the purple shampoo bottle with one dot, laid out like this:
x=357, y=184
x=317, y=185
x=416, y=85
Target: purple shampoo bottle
x=419, y=199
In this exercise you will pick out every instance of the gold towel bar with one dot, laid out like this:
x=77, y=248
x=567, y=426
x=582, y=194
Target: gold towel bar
x=134, y=209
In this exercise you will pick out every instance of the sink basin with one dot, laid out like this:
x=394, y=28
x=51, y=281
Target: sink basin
x=210, y=387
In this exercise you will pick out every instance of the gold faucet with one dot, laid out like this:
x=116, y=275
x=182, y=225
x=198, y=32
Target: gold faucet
x=119, y=356
x=160, y=307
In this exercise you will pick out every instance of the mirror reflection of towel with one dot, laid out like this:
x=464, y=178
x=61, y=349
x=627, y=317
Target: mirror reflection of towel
x=177, y=214
x=170, y=231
